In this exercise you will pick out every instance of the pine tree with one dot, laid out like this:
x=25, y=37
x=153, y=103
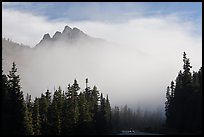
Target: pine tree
x=94, y=106
x=108, y=115
x=87, y=92
x=102, y=115
x=72, y=106
x=84, y=115
x=197, y=99
x=198, y=123
x=65, y=117
x=28, y=121
x=170, y=105
x=49, y=115
x=44, y=103
x=15, y=104
x=56, y=112
x=188, y=102
x=28, y=102
x=183, y=106
x=116, y=119
x=36, y=117
x=5, y=109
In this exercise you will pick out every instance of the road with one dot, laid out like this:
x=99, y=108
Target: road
x=136, y=133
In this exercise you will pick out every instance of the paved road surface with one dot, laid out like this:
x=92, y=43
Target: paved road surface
x=137, y=133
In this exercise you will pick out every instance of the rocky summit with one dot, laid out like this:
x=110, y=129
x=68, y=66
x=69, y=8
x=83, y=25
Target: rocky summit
x=68, y=35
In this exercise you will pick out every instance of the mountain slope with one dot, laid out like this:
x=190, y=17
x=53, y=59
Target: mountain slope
x=12, y=51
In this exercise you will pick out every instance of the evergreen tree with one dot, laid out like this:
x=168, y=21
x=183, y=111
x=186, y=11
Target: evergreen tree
x=65, y=117
x=5, y=108
x=15, y=104
x=94, y=106
x=170, y=104
x=87, y=92
x=36, y=117
x=183, y=105
x=197, y=99
x=72, y=101
x=116, y=119
x=28, y=102
x=28, y=121
x=108, y=115
x=102, y=115
x=56, y=112
x=44, y=102
x=84, y=115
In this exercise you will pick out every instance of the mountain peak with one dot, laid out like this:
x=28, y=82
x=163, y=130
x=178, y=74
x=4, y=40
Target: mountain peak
x=76, y=29
x=46, y=37
x=57, y=35
x=68, y=35
x=67, y=29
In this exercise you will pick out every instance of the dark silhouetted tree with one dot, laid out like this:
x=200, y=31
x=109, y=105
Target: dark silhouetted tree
x=36, y=117
x=183, y=105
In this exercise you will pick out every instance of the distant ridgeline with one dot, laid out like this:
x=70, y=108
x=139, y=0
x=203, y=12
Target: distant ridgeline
x=11, y=42
x=20, y=53
x=67, y=37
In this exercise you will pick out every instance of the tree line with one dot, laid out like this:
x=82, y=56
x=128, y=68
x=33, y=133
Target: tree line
x=66, y=112
x=87, y=111
x=184, y=101
x=125, y=118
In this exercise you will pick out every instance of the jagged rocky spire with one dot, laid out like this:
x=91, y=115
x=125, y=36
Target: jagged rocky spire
x=68, y=35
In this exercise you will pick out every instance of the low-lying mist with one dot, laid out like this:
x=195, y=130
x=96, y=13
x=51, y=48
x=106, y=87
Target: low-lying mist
x=135, y=69
x=128, y=75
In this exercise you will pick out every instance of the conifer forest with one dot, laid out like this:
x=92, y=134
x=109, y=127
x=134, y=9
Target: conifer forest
x=86, y=110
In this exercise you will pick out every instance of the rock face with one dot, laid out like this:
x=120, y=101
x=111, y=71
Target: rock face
x=68, y=35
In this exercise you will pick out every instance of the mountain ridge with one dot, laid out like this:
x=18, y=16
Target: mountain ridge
x=69, y=36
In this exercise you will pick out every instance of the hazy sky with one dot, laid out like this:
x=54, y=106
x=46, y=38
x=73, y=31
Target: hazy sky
x=151, y=39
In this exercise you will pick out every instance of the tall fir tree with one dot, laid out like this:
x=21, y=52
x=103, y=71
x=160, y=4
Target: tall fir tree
x=5, y=108
x=183, y=106
x=94, y=106
x=44, y=103
x=84, y=115
x=28, y=121
x=36, y=117
x=16, y=104
x=73, y=113
x=108, y=115
x=56, y=112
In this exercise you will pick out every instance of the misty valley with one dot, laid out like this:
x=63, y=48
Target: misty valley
x=72, y=83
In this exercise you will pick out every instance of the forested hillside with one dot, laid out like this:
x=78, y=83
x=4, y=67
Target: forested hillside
x=87, y=111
